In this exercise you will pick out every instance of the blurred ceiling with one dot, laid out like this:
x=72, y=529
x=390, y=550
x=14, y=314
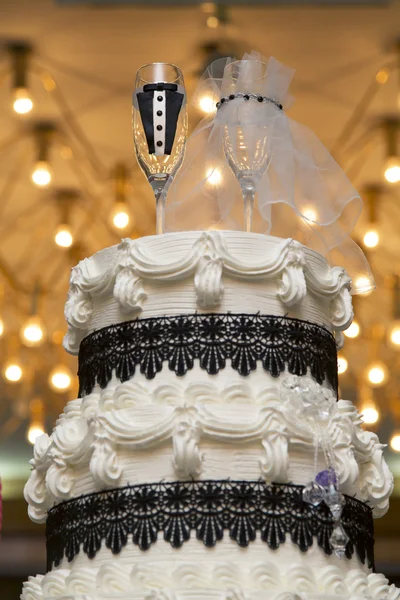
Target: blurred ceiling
x=92, y=54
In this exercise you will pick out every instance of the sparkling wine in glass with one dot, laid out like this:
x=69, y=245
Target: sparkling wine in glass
x=159, y=115
x=247, y=131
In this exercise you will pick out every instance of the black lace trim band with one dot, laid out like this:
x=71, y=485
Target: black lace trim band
x=279, y=343
x=246, y=509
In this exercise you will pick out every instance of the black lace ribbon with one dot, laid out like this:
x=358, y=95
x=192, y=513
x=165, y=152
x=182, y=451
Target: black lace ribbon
x=277, y=343
x=246, y=509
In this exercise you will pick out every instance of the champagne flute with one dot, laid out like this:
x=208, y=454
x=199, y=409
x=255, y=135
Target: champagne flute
x=247, y=134
x=159, y=115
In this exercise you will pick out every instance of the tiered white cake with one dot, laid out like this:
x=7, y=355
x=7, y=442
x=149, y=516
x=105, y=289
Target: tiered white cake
x=245, y=422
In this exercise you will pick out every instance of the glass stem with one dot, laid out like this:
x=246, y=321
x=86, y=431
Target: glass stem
x=248, y=192
x=160, y=187
x=160, y=211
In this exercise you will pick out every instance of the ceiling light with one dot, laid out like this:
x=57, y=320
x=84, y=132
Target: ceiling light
x=13, y=371
x=41, y=175
x=214, y=176
x=342, y=364
x=120, y=216
x=377, y=374
x=353, y=331
x=35, y=430
x=32, y=332
x=310, y=214
x=371, y=238
x=207, y=104
x=60, y=378
x=392, y=170
x=395, y=442
x=63, y=236
x=21, y=101
x=370, y=414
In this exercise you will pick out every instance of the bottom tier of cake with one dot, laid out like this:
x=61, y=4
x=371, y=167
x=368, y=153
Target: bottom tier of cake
x=220, y=573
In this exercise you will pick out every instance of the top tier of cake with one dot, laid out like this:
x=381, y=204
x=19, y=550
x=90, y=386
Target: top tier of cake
x=190, y=273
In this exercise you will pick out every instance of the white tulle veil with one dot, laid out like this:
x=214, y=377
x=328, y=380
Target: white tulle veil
x=301, y=191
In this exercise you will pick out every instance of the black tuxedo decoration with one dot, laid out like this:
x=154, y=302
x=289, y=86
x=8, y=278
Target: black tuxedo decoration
x=159, y=106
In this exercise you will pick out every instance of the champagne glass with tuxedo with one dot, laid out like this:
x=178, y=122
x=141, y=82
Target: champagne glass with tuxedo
x=159, y=116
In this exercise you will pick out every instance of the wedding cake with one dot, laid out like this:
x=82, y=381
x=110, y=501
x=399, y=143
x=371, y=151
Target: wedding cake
x=208, y=455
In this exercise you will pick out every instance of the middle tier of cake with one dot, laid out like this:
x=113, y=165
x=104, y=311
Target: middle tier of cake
x=128, y=434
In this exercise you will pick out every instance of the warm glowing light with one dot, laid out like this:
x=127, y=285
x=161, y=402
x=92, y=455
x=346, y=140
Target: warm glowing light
x=394, y=334
x=13, y=371
x=22, y=102
x=371, y=238
x=207, y=104
x=212, y=22
x=32, y=332
x=35, y=430
x=342, y=364
x=214, y=176
x=395, y=442
x=370, y=414
x=310, y=214
x=363, y=285
x=353, y=331
x=392, y=170
x=377, y=374
x=63, y=236
x=41, y=175
x=1, y=327
x=382, y=76
x=60, y=379
x=120, y=216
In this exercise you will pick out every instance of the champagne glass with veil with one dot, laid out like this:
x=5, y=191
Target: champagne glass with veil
x=159, y=118
x=247, y=127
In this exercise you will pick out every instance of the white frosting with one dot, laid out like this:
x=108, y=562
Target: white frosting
x=209, y=579
x=180, y=273
x=132, y=435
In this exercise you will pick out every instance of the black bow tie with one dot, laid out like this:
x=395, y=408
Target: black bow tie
x=160, y=87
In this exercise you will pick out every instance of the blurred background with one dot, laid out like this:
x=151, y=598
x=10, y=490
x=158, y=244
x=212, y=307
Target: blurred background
x=70, y=185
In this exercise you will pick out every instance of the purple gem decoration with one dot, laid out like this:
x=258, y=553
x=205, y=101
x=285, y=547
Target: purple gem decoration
x=326, y=478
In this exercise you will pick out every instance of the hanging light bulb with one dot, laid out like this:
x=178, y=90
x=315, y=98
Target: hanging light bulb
x=377, y=374
x=12, y=370
x=60, y=379
x=371, y=238
x=371, y=196
x=20, y=97
x=33, y=332
x=392, y=165
x=310, y=214
x=65, y=198
x=353, y=330
x=41, y=174
x=342, y=364
x=395, y=442
x=363, y=285
x=21, y=101
x=370, y=414
x=368, y=409
x=207, y=104
x=36, y=426
x=214, y=176
x=63, y=236
x=393, y=334
x=1, y=326
x=120, y=216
